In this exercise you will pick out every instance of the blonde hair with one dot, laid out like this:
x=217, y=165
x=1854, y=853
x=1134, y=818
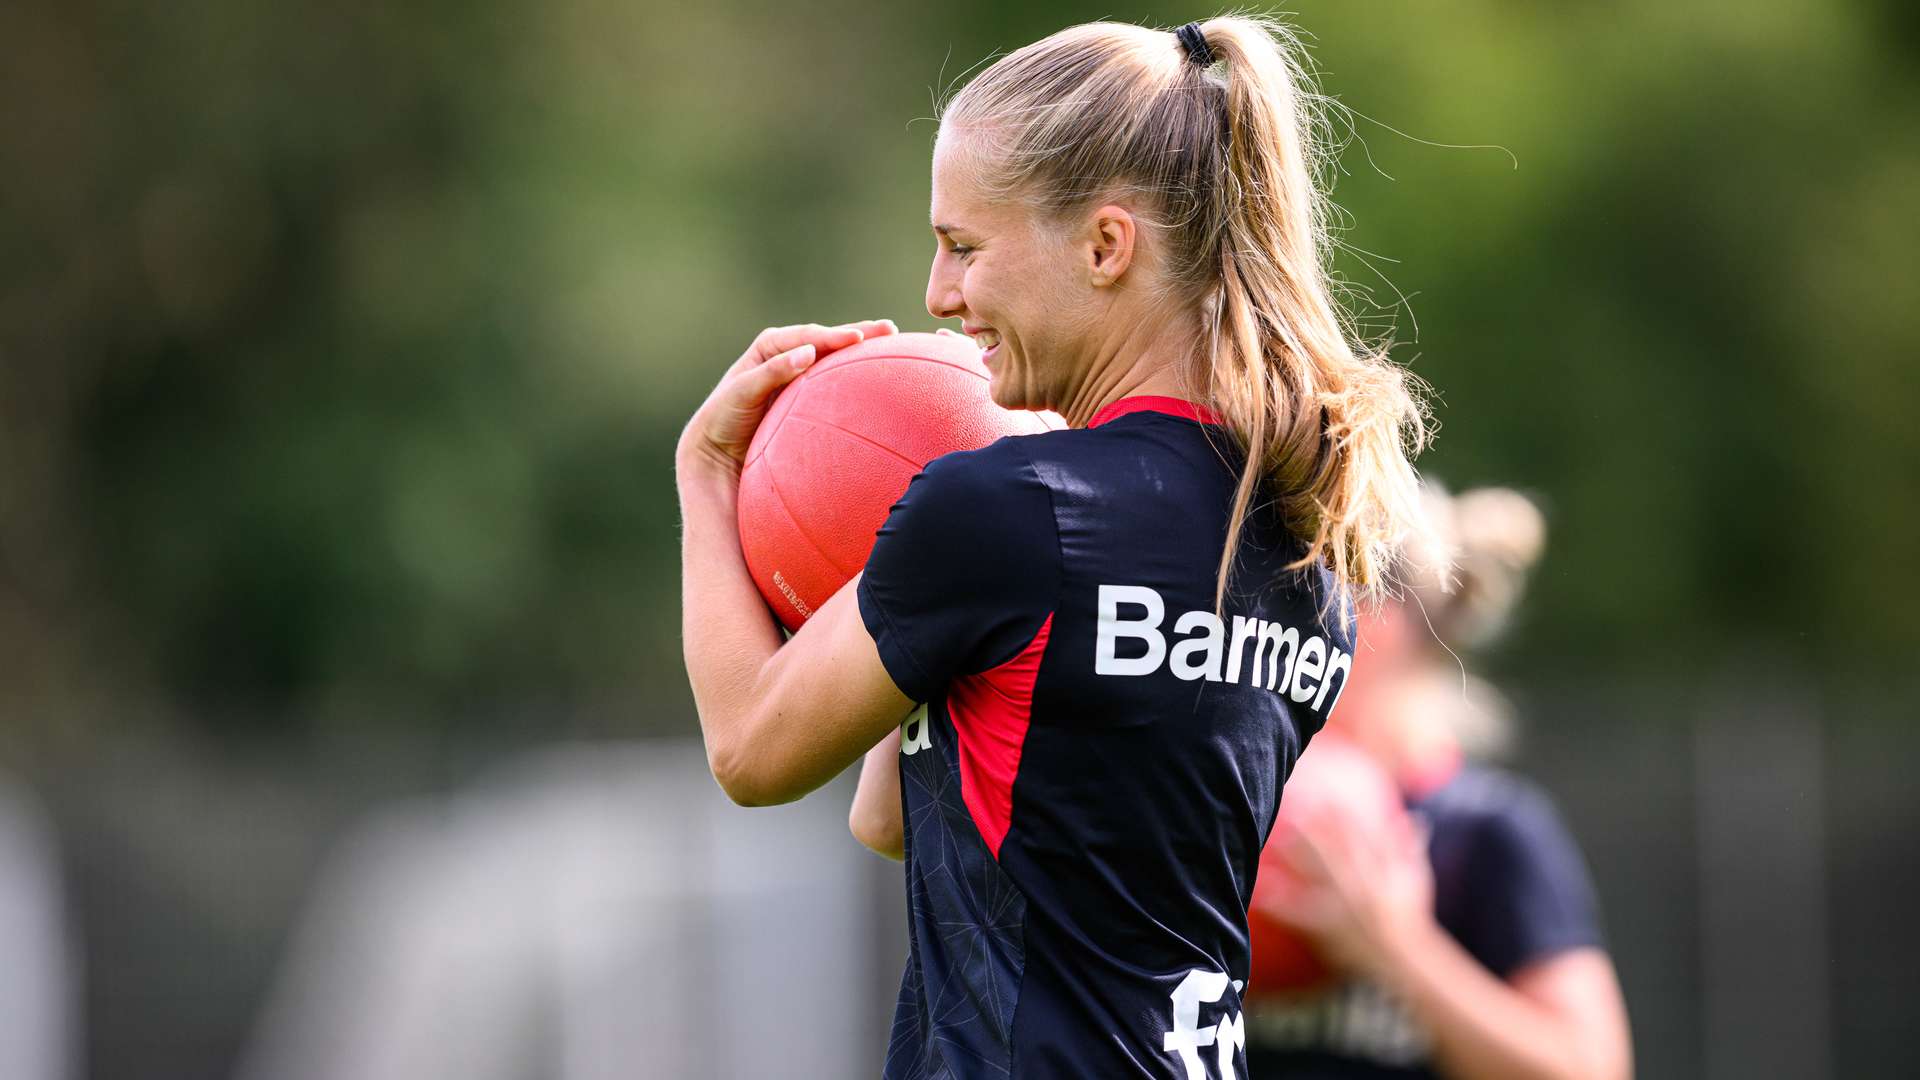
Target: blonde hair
x=1226, y=158
x=1484, y=543
x=1463, y=586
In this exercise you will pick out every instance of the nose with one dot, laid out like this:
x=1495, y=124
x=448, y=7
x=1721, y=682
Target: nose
x=943, y=289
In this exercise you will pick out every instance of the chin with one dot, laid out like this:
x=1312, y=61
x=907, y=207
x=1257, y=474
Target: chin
x=1008, y=395
x=1009, y=398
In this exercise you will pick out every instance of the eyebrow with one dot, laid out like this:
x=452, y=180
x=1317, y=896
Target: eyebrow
x=944, y=230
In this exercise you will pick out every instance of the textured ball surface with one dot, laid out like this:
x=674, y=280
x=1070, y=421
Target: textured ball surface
x=1333, y=777
x=837, y=448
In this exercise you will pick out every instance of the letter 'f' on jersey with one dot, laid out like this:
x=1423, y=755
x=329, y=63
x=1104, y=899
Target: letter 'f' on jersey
x=1088, y=789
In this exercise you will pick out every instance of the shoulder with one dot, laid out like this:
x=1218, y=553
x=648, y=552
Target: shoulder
x=977, y=495
x=1517, y=887
x=964, y=569
x=985, y=475
x=975, y=508
x=1506, y=828
x=1144, y=465
x=1486, y=791
x=1497, y=805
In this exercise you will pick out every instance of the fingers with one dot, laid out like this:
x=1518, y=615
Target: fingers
x=776, y=340
x=757, y=384
x=1332, y=849
x=873, y=328
x=1304, y=854
x=744, y=392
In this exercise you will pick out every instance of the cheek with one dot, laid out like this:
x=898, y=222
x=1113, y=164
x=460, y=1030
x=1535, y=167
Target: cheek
x=1013, y=305
x=981, y=287
x=1054, y=295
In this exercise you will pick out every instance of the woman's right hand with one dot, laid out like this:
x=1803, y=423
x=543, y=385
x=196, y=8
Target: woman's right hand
x=722, y=428
x=1355, y=889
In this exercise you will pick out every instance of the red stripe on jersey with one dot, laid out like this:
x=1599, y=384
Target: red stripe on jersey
x=990, y=714
x=1173, y=406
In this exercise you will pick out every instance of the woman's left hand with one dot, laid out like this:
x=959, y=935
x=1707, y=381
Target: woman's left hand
x=1358, y=892
x=723, y=427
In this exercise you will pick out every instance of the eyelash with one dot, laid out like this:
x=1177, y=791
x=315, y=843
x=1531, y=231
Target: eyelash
x=961, y=251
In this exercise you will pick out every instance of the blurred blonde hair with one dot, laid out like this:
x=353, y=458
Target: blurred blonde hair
x=1483, y=544
x=1465, y=584
x=1224, y=160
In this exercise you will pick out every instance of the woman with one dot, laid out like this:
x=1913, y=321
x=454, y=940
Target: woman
x=1477, y=953
x=1124, y=632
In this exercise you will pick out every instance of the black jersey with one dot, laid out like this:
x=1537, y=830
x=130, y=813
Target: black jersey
x=1087, y=791
x=1509, y=886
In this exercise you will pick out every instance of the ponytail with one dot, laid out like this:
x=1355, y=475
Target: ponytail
x=1329, y=429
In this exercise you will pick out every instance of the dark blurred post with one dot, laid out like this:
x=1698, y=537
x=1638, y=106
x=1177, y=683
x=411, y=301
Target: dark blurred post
x=1763, y=912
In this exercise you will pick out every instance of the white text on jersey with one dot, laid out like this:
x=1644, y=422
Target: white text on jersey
x=1302, y=667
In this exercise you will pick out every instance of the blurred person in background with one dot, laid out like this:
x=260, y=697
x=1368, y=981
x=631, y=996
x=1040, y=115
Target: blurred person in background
x=1471, y=947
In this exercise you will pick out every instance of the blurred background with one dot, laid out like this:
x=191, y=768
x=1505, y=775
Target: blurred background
x=343, y=347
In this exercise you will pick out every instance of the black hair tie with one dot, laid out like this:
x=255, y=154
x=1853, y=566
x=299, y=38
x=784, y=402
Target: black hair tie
x=1192, y=40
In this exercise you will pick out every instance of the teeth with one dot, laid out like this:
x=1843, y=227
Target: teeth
x=986, y=339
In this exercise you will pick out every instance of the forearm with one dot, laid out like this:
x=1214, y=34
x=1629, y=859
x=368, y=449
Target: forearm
x=1482, y=1027
x=727, y=632
x=875, y=818
x=779, y=720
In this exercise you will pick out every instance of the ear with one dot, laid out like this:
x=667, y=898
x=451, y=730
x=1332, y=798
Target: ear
x=1111, y=235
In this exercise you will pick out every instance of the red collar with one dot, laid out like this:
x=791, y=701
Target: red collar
x=1190, y=410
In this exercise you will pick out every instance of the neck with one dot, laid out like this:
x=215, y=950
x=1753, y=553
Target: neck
x=1140, y=357
x=1418, y=749
x=1403, y=727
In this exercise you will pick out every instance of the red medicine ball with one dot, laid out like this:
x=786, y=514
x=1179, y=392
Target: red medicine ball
x=837, y=448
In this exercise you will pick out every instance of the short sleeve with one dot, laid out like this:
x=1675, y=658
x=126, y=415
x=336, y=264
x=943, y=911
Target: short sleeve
x=1531, y=891
x=965, y=570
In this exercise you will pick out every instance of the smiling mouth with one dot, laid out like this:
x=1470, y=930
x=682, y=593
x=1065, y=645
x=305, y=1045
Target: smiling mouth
x=988, y=341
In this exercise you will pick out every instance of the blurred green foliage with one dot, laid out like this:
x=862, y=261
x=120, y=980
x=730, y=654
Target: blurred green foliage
x=345, y=346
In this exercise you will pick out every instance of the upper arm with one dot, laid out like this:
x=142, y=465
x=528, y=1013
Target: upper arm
x=1538, y=926
x=961, y=575
x=1532, y=895
x=1579, y=987
x=821, y=701
x=965, y=570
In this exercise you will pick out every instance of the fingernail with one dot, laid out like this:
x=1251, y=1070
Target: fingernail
x=802, y=357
